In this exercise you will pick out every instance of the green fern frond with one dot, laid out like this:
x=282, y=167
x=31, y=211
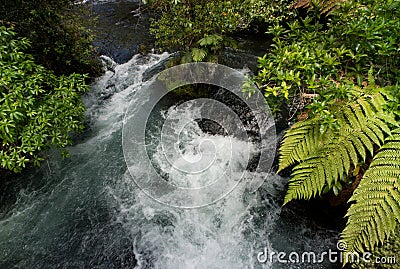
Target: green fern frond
x=198, y=55
x=373, y=216
x=298, y=142
x=323, y=159
x=210, y=40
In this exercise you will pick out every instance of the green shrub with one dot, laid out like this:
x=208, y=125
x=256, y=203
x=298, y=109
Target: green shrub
x=359, y=39
x=37, y=108
x=203, y=27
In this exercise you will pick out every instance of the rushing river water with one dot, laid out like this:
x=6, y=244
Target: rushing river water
x=87, y=211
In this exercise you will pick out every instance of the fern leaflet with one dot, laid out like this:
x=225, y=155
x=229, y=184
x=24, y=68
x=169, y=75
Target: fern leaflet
x=376, y=208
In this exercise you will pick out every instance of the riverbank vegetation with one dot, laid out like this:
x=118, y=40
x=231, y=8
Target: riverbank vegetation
x=347, y=134
x=38, y=108
x=334, y=65
x=46, y=61
x=202, y=28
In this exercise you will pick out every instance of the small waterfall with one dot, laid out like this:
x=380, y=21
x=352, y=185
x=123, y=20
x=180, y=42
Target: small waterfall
x=88, y=212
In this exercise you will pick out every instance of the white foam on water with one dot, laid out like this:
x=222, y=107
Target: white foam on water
x=221, y=235
x=119, y=85
x=216, y=236
x=200, y=158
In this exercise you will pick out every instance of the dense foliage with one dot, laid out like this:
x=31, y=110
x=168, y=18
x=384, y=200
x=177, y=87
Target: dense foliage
x=37, y=108
x=202, y=28
x=340, y=75
x=59, y=31
x=315, y=58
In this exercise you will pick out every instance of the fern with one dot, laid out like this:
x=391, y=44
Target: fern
x=210, y=40
x=298, y=142
x=376, y=208
x=198, y=54
x=323, y=159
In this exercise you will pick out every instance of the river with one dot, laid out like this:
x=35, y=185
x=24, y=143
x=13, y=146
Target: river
x=88, y=212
